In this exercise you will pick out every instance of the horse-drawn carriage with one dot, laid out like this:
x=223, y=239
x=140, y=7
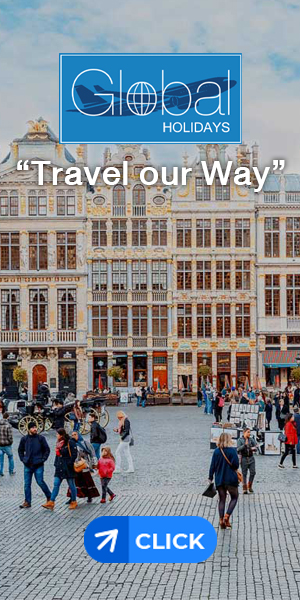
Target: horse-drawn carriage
x=22, y=412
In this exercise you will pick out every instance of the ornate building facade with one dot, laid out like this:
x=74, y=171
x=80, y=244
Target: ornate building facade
x=155, y=279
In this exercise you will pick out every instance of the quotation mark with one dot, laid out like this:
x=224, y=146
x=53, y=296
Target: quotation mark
x=22, y=166
x=278, y=165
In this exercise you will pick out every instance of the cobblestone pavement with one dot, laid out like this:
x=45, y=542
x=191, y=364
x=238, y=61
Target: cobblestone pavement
x=42, y=553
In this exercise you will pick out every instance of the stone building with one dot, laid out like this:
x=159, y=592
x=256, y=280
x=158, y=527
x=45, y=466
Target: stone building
x=278, y=278
x=43, y=273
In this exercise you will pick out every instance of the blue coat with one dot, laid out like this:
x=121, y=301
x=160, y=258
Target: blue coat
x=219, y=467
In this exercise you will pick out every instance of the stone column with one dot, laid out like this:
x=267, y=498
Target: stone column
x=149, y=325
x=282, y=236
x=110, y=381
x=283, y=304
x=130, y=369
x=213, y=274
x=150, y=367
x=170, y=373
x=24, y=251
x=90, y=370
x=51, y=251
x=82, y=372
x=109, y=326
x=195, y=371
x=232, y=318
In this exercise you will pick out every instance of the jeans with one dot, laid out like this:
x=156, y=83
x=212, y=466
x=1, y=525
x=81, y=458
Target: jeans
x=138, y=400
x=208, y=406
x=9, y=453
x=289, y=448
x=97, y=448
x=123, y=449
x=248, y=463
x=39, y=477
x=76, y=425
x=105, y=489
x=57, y=484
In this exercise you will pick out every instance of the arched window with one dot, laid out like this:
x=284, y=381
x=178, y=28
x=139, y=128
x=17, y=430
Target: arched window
x=9, y=203
x=119, y=209
x=66, y=309
x=139, y=201
x=65, y=203
x=37, y=203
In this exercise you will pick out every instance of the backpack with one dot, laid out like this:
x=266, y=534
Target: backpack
x=102, y=434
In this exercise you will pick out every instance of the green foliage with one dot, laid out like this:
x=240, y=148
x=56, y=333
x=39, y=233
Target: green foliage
x=204, y=371
x=115, y=372
x=296, y=374
x=20, y=375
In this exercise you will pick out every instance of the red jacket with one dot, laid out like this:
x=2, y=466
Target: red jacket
x=291, y=433
x=106, y=467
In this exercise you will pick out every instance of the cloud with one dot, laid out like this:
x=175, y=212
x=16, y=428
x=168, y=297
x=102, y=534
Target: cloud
x=32, y=36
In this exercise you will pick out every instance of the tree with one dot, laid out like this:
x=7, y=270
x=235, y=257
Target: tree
x=296, y=374
x=115, y=372
x=20, y=376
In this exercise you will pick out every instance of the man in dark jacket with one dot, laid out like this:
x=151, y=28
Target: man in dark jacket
x=297, y=421
x=6, y=440
x=98, y=434
x=33, y=452
x=58, y=415
x=296, y=401
x=245, y=447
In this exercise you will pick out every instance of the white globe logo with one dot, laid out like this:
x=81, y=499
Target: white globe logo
x=141, y=98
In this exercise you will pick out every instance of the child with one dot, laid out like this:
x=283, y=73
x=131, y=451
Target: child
x=106, y=467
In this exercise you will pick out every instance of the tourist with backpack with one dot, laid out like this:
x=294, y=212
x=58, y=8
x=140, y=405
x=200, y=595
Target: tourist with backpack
x=98, y=434
x=219, y=404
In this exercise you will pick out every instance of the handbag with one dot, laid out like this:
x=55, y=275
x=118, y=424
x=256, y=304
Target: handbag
x=131, y=441
x=210, y=491
x=80, y=465
x=239, y=474
x=282, y=437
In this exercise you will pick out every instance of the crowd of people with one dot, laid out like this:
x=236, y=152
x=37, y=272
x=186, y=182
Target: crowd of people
x=76, y=461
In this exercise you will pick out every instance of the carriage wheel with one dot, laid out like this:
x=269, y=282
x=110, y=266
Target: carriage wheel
x=40, y=422
x=24, y=422
x=102, y=416
x=47, y=424
x=69, y=423
x=85, y=427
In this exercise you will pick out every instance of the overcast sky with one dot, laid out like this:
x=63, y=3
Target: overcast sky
x=267, y=33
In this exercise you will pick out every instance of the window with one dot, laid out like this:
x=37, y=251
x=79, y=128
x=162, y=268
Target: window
x=139, y=320
x=119, y=233
x=66, y=250
x=38, y=251
x=203, y=233
x=37, y=203
x=293, y=295
x=293, y=236
x=292, y=196
x=185, y=358
x=119, y=320
x=184, y=275
x=159, y=275
x=159, y=232
x=139, y=275
x=223, y=275
x=99, y=275
x=65, y=203
x=270, y=197
x=10, y=310
x=139, y=201
x=204, y=320
x=293, y=340
x=202, y=189
x=66, y=317
x=203, y=274
x=9, y=203
x=272, y=237
x=119, y=208
x=99, y=321
x=272, y=295
x=38, y=309
x=9, y=251
x=223, y=321
x=160, y=321
x=242, y=320
x=184, y=233
x=139, y=232
x=222, y=191
x=273, y=340
x=184, y=320
x=119, y=275
x=223, y=233
x=242, y=233
x=242, y=274
x=99, y=233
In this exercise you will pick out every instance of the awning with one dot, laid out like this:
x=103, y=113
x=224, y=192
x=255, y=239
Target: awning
x=280, y=358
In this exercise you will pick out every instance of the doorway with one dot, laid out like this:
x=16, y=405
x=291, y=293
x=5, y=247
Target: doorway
x=39, y=375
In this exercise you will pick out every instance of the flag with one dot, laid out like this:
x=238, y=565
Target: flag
x=100, y=384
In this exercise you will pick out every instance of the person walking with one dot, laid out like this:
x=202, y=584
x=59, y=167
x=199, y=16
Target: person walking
x=281, y=413
x=297, y=421
x=97, y=435
x=33, y=452
x=224, y=466
x=66, y=454
x=269, y=412
x=84, y=481
x=138, y=393
x=106, y=467
x=219, y=404
x=58, y=414
x=78, y=415
x=6, y=441
x=290, y=430
x=123, y=449
x=245, y=447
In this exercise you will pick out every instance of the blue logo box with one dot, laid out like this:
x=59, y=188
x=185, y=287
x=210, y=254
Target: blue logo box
x=150, y=98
